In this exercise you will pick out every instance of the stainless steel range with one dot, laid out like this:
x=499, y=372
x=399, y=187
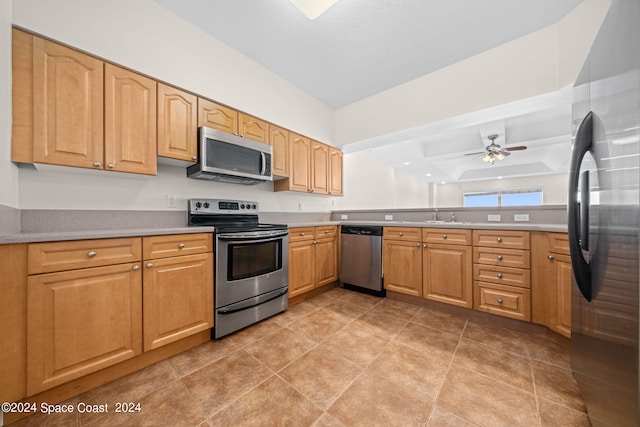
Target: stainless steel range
x=251, y=263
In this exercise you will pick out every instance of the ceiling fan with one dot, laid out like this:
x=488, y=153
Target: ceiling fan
x=495, y=152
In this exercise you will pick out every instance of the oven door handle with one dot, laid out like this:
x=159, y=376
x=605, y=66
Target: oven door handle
x=256, y=237
x=253, y=302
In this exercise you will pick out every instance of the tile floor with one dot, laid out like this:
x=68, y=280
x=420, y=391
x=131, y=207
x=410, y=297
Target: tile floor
x=349, y=359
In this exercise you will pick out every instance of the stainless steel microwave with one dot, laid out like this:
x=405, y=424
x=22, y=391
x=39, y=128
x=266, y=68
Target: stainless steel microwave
x=230, y=158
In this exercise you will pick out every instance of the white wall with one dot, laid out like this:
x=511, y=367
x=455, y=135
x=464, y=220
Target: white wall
x=371, y=184
x=541, y=62
x=8, y=171
x=554, y=189
x=145, y=37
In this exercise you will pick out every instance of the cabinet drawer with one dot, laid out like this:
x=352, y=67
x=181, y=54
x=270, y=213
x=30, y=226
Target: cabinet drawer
x=61, y=256
x=507, y=301
x=301, y=233
x=501, y=239
x=559, y=243
x=502, y=275
x=326, y=231
x=503, y=257
x=402, y=233
x=450, y=236
x=176, y=245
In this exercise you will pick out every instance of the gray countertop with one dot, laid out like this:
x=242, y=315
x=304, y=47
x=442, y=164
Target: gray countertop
x=524, y=226
x=98, y=234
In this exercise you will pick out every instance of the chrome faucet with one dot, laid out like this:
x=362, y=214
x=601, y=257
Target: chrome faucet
x=453, y=217
x=435, y=214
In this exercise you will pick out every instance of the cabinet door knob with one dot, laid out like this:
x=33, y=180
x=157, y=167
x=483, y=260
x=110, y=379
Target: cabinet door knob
x=97, y=164
x=550, y=257
x=91, y=254
x=444, y=236
x=194, y=157
x=417, y=245
x=499, y=257
x=424, y=245
x=500, y=301
x=136, y=267
x=149, y=265
x=326, y=231
x=499, y=275
x=111, y=165
x=498, y=239
x=181, y=245
x=302, y=234
x=401, y=234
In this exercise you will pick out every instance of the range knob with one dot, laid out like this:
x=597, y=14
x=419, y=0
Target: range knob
x=206, y=205
x=198, y=205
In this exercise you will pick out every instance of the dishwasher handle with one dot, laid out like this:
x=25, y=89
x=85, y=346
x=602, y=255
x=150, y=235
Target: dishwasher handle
x=365, y=230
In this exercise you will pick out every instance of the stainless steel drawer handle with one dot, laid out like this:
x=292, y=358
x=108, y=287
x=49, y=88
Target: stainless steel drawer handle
x=149, y=265
x=550, y=257
x=91, y=254
x=499, y=239
x=500, y=301
x=136, y=267
x=444, y=236
x=499, y=257
x=181, y=245
x=499, y=275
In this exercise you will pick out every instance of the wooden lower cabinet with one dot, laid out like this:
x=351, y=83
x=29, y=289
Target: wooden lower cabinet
x=81, y=321
x=313, y=258
x=507, y=301
x=402, y=266
x=448, y=274
x=178, y=298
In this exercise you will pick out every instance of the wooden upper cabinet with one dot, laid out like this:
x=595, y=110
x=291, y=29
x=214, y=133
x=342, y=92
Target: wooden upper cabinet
x=177, y=123
x=67, y=106
x=253, y=128
x=335, y=172
x=217, y=116
x=130, y=122
x=319, y=168
x=22, y=99
x=299, y=174
x=279, y=140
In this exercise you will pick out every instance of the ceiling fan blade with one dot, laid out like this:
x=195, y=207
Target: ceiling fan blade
x=475, y=154
x=518, y=148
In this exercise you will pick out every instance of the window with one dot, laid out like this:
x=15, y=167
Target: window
x=503, y=198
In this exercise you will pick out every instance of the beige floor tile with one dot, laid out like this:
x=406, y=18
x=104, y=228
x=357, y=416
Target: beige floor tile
x=317, y=326
x=320, y=301
x=498, y=337
x=440, y=417
x=362, y=299
x=356, y=345
x=501, y=365
x=439, y=320
x=547, y=351
x=484, y=401
x=321, y=375
x=411, y=369
x=253, y=333
x=379, y=324
x=557, y=385
x=131, y=388
x=272, y=403
x=375, y=401
x=432, y=342
x=221, y=382
x=327, y=420
x=395, y=308
x=202, y=355
x=281, y=348
x=338, y=293
x=294, y=313
x=169, y=405
x=344, y=310
x=553, y=415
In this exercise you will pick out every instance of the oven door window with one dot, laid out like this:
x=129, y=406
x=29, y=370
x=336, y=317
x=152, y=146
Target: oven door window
x=253, y=259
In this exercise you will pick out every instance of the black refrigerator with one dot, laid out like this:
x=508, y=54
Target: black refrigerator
x=604, y=220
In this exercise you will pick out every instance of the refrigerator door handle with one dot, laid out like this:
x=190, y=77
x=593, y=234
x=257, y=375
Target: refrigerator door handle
x=581, y=268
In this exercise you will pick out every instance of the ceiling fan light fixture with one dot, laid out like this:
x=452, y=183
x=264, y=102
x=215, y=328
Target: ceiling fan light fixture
x=500, y=156
x=313, y=8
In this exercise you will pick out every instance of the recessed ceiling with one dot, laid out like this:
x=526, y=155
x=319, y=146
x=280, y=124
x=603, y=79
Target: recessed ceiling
x=361, y=47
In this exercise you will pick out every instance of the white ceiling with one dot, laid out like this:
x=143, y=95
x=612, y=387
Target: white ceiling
x=361, y=47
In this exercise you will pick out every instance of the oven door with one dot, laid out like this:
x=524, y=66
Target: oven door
x=249, y=264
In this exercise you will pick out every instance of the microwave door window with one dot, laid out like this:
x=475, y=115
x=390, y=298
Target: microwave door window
x=253, y=259
x=222, y=155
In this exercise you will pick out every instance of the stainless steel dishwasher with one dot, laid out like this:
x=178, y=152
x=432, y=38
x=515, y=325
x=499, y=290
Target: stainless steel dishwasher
x=361, y=258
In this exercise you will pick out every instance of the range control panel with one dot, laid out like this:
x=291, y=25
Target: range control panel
x=219, y=206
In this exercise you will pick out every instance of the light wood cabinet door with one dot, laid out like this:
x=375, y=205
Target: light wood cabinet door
x=319, y=168
x=177, y=124
x=253, y=128
x=402, y=264
x=300, y=172
x=217, y=116
x=81, y=321
x=279, y=140
x=335, y=172
x=130, y=122
x=172, y=245
x=178, y=298
x=564, y=277
x=326, y=252
x=301, y=267
x=67, y=106
x=447, y=274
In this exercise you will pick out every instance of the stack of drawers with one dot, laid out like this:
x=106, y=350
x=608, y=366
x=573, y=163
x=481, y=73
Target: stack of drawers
x=501, y=273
